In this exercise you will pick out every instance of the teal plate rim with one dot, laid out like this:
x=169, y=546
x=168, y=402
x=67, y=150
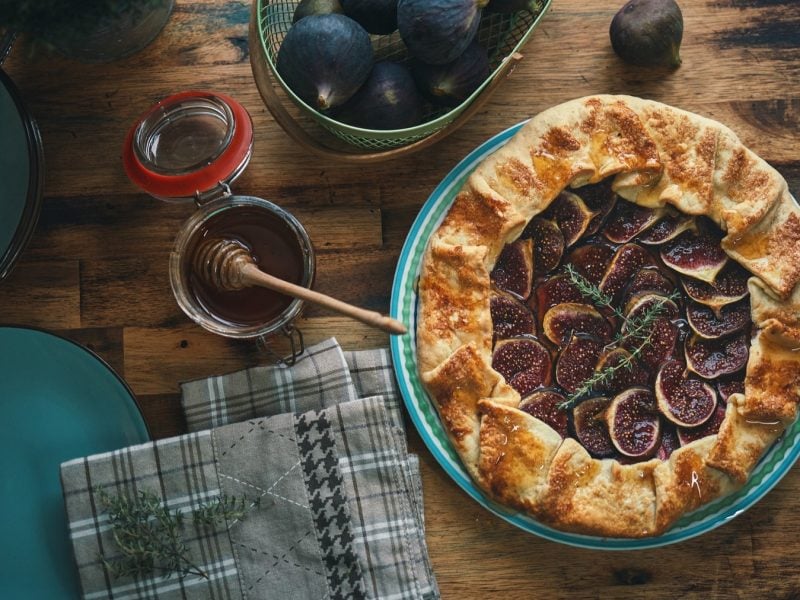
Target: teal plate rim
x=63, y=582
x=33, y=201
x=766, y=474
x=93, y=355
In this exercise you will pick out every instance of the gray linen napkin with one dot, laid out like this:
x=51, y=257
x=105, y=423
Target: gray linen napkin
x=321, y=446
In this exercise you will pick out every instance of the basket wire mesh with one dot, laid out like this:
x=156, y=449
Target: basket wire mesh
x=500, y=34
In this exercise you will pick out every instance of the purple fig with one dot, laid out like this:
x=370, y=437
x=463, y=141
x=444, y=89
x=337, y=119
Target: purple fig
x=548, y=244
x=591, y=261
x=577, y=360
x=698, y=256
x=731, y=318
x=729, y=286
x=588, y=420
x=710, y=427
x=563, y=319
x=544, y=405
x=510, y=317
x=649, y=279
x=667, y=228
x=513, y=271
x=523, y=362
x=628, y=259
x=628, y=220
x=571, y=214
x=685, y=402
x=633, y=423
x=648, y=33
x=713, y=358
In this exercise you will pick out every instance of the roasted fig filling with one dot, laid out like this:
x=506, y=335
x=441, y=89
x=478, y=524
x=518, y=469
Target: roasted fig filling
x=624, y=327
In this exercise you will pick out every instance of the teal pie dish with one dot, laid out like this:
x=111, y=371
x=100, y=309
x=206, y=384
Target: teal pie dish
x=775, y=463
x=58, y=401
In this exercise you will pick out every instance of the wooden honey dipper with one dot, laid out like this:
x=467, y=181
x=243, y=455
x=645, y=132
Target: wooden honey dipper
x=228, y=265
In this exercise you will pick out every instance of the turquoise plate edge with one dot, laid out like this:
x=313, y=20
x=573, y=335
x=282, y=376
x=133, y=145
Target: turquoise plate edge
x=62, y=582
x=766, y=475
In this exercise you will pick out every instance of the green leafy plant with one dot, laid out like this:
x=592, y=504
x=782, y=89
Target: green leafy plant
x=148, y=535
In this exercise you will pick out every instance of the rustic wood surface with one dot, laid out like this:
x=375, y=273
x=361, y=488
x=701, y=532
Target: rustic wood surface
x=96, y=268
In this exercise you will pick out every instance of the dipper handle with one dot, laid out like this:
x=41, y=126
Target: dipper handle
x=252, y=275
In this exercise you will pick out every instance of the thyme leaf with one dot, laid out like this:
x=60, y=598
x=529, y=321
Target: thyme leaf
x=148, y=535
x=589, y=290
x=638, y=328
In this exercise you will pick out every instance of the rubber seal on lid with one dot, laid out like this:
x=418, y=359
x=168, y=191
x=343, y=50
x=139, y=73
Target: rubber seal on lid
x=188, y=144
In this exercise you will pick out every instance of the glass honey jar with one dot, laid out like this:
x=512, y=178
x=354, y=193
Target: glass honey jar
x=190, y=147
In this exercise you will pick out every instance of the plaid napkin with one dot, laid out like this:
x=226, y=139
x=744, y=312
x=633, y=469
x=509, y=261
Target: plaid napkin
x=320, y=445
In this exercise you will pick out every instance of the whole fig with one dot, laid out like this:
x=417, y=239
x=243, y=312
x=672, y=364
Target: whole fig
x=376, y=16
x=306, y=8
x=452, y=83
x=387, y=100
x=324, y=59
x=438, y=31
x=648, y=33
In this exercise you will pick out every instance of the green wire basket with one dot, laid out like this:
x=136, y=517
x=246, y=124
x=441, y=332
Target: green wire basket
x=503, y=35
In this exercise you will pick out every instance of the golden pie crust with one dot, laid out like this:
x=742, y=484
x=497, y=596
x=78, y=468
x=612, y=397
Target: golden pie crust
x=658, y=155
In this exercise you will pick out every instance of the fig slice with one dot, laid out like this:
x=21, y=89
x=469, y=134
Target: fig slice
x=623, y=377
x=548, y=244
x=543, y=404
x=571, y=214
x=633, y=423
x=649, y=279
x=730, y=286
x=696, y=255
x=706, y=324
x=714, y=358
x=628, y=259
x=572, y=317
x=727, y=388
x=669, y=442
x=685, y=402
x=601, y=199
x=588, y=420
x=524, y=362
x=644, y=302
x=555, y=290
x=577, y=360
x=591, y=260
x=513, y=271
x=628, y=220
x=661, y=345
x=510, y=317
x=667, y=228
x=710, y=427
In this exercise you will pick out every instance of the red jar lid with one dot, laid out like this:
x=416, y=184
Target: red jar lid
x=188, y=144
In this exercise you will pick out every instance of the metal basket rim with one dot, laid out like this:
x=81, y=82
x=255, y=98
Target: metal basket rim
x=417, y=131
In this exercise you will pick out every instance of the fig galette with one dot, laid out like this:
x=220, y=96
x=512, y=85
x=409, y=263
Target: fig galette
x=609, y=316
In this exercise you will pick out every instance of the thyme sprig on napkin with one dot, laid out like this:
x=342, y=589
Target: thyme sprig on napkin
x=148, y=535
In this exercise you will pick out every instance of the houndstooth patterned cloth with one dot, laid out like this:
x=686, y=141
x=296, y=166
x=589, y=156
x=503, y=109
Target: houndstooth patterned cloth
x=320, y=445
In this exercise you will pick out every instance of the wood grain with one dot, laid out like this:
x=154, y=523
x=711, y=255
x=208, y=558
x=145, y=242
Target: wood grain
x=97, y=266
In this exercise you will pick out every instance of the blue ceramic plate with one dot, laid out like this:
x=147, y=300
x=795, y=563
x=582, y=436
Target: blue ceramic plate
x=58, y=401
x=21, y=174
x=766, y=474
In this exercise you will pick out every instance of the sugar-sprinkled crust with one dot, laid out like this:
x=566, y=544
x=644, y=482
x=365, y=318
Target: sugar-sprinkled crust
x=658, y=156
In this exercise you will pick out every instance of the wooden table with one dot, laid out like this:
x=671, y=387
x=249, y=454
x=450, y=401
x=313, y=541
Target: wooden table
x=96, y=268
